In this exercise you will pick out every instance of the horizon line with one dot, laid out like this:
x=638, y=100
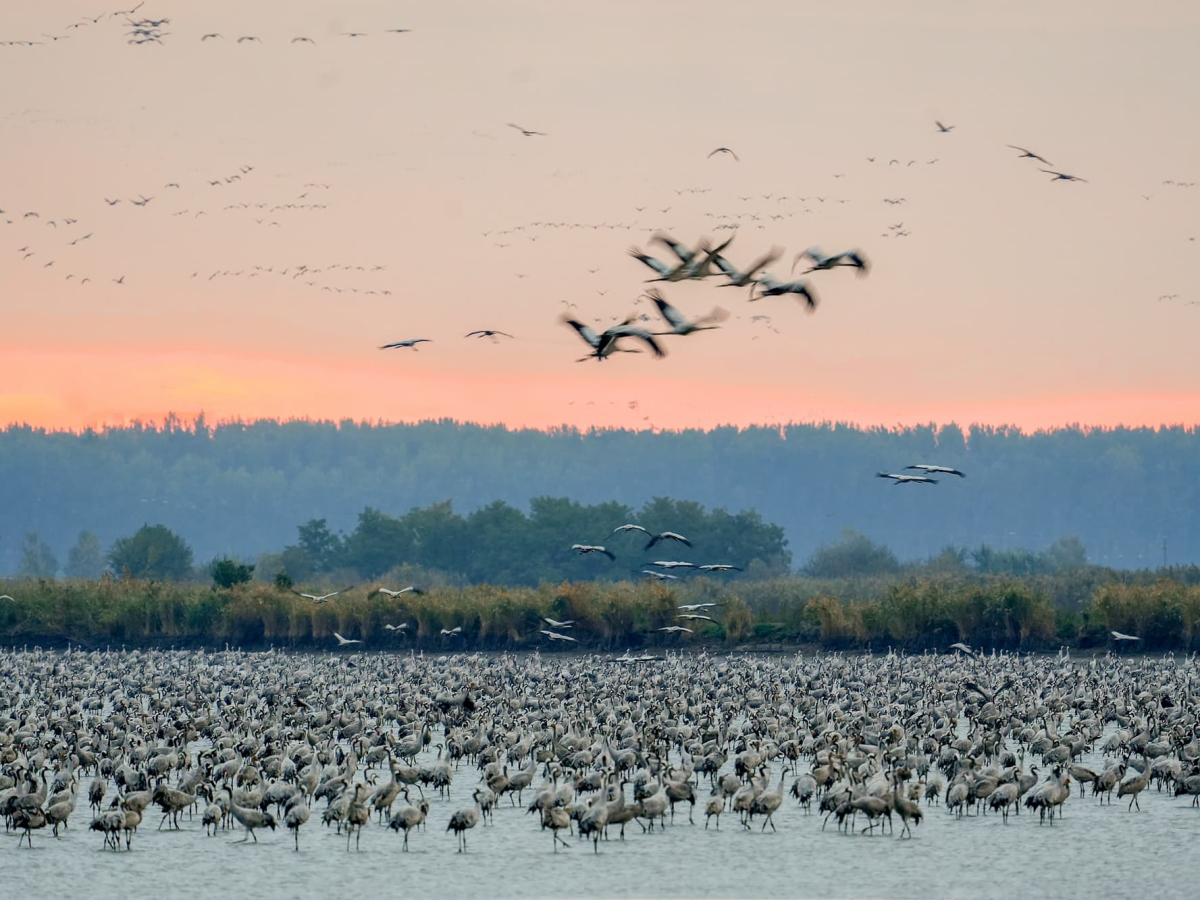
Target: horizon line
x=173, y=422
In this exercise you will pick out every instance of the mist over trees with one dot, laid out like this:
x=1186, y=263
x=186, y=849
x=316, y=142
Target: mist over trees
x=240, y=490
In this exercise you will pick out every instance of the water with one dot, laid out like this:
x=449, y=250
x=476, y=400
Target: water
x=1092, y=851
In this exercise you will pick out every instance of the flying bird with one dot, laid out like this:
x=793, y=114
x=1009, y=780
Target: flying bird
x=667, y=536
x=692, y=607
x=624, y=528
x=606, y=343
x=943, y=470
x=1062, y=176
x=555, y=636
x=742, y=279
x=450, y=632
x=408, y=590
x=723, y=150
x=248, y=37
x=323, y=598
x=303, y=40
x=943, y=129
x=720, y=567
x=907, y=479
x=584, y=549
x=821, y=262
x=1029, y=154
x=403, y=626
x=526, y=131
x=676, y=628
x=342, y=642
x=409, y=344
x=209, y=36
x=963, y=648
x=489, y=333
x=772, y=288
x=680, y=325
x=1118, y=636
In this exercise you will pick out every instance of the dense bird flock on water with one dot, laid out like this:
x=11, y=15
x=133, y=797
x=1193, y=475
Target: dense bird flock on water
x=591, y=749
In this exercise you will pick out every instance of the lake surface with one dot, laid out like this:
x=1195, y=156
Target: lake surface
x=1092, y=851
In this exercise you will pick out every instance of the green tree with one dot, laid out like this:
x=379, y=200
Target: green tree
x=854, y=554
x=1067, y=554
x=37, y=559
x=154, y=551
x=86, y=559
x=322, y=547
x=227, y=572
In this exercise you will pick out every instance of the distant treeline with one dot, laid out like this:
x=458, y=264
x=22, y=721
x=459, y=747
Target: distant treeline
x=929, y=613
x=240, y=489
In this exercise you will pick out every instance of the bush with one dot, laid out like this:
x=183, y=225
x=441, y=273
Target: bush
x=227, y=572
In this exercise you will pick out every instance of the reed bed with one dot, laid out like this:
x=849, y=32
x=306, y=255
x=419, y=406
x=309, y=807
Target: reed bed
x=912, y=614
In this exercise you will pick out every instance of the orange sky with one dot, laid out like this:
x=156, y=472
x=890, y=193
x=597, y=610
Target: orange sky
x=1010, y=300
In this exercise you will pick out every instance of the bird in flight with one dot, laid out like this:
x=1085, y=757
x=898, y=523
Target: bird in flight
x=398, y=30
x=323, y=598
x=943, y=470
x=742, y=279
x=342, y=642
x=555, y=636
x=959, y=645
x=943, y=129
x=450, y=632
x=303, y=40
x=1062, y=176
x=606, y=344
x=248, y=37
x=907, y=479
x=210, y=36
x=676, y=628
x=772, y=288
x=623, y=528
x=489, y=333
x=723, y=150
x=408, y=590
x=554, y=623
x=719, y=567
x=401, y=627
x=526, y=131
x=1029, y=154
x=667, y=536
x=1118, y=636
x=680, y=325
x=353, y=34
x=820, y=262
x=7, y=597
x=692, y=607
x=399, y=345
x=585, y=549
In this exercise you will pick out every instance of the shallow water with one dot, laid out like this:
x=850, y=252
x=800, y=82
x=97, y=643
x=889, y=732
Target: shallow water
x=1092, y=851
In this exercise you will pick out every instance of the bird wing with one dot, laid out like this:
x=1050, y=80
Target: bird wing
x=670, y=313
x=888, y=475
x=685, y=255
x=657, y=265
x=765, y=260
x=585, y=331
x=653, y=540
x=627, y=330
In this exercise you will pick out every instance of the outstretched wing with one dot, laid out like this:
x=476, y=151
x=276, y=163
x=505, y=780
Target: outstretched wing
x=585, y=331
x=657, y=265
x=670, y=313
x=626, y=330
x=685, y=255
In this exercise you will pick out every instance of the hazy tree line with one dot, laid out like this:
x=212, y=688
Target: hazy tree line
x=239, y=489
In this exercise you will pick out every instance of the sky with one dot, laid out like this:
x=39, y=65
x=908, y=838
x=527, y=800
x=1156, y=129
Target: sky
x=995, y=295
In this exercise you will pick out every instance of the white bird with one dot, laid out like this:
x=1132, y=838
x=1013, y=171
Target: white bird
x=324, y=598
x=661, y=576
x=742, y=279
x=944, y=470
x=6, y=597
x=342, y=642
x=400, y=345
x=720, y=567
x=584, y=549
x=959, y=645
x=772, y=288
x=554, y=623
x=667, y=536
x=821, y=262
x=669, y=564
x=401, y=627
x=695, y=617
x=606, y=344
x=447, y=632
x=680, y=325
x=1118, y=636
x=555, y=636
x=408, y=590
x=623, y=528
x=692, y=607
x=906, y=479
x=676, y=628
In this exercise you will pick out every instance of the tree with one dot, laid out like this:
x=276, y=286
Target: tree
x=853, y=555
x=1067, y=554
x=227, y=572
x=322, y=547
x=154, y=551
x=37, y=559
x=86, y=559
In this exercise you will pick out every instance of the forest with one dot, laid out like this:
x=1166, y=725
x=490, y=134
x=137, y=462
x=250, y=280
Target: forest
x=241, y=489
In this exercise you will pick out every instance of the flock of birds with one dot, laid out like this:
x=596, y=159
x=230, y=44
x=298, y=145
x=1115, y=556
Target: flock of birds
x=209, y=743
